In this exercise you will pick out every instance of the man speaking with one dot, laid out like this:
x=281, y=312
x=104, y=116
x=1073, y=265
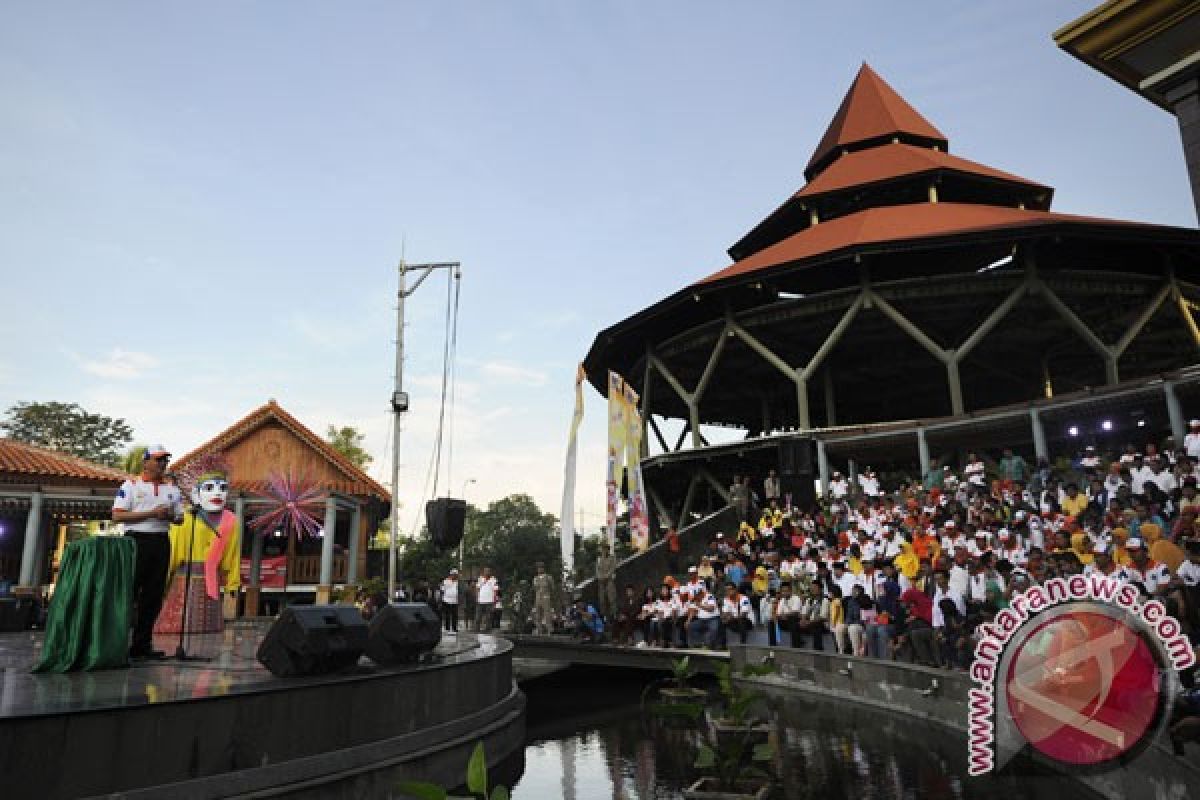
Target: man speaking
x=147, y=506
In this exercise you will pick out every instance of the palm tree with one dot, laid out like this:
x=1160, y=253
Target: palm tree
x=131, y=462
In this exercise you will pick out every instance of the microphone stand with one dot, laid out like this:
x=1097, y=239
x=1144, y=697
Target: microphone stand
x=181, y=653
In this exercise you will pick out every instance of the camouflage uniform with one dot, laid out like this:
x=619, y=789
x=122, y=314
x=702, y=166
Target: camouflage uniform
x=543, y=603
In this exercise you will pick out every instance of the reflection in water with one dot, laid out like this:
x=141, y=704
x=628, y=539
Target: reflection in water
x=606, y=748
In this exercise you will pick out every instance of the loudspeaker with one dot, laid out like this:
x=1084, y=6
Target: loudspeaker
x=313, y=640
x=795, y=457
x=400, y=632
x=445, y=518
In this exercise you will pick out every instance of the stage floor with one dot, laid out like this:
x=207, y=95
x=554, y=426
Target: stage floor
x=230, y=670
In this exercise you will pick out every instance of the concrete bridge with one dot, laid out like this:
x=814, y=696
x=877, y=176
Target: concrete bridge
x=566, y=651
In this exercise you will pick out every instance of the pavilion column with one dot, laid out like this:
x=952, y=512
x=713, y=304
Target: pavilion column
x=955, y=382
x=823, y=466
x=355, y=535
x=33, y=542
x=852, y=476
x=1174, y=413
x=1040, y=450
x=803, y=420
x=325, y=586
x=923, y=452
x=254, y=583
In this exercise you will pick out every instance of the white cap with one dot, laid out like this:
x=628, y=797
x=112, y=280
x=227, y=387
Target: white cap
x=948, y=524
x=1134, y=543
x=1100, y=549
x=1003, y=533
x=156, y=450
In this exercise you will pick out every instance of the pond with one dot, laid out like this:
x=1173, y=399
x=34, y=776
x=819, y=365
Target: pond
x=588, y=739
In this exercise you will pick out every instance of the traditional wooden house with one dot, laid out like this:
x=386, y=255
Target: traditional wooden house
x=269, y=441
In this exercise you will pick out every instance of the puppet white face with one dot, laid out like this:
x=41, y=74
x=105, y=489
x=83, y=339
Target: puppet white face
x=211, y=494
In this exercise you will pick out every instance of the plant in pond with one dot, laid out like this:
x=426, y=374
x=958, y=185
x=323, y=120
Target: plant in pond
x=476, y=782
x=737, y=701
x=679, y=700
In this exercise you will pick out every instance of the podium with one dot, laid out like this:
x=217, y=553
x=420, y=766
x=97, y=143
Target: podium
x=88, y=624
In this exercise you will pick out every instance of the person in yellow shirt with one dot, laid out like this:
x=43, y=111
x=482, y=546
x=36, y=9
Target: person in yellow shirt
x=210, y=536
x=1075, y=502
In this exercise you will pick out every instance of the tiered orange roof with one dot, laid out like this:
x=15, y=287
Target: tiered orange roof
x=871, y=111
x=27, y=463
x=356, y=482
x=875, y=226
x=896, y=160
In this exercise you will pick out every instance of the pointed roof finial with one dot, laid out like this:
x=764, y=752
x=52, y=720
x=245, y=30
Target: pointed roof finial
x=871, y=110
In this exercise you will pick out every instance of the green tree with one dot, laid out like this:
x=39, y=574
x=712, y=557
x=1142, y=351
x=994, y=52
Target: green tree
x=348, y=441
x=511, y=536
x=67, y=428
x=131, y=462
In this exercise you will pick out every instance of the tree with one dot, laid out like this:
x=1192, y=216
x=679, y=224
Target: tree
x=348, y=441
x=131, y=462
x=511, y=536
x=67, y=428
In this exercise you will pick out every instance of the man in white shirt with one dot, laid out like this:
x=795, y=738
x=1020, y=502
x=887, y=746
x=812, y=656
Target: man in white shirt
x=702, y=631
x=487, y=593
x=1191, y=442
x=450, y=602
x=147, y=506
x=975, y=471
x=838, y=487
x=869, y=483
x=737, y=613
x=844, y=579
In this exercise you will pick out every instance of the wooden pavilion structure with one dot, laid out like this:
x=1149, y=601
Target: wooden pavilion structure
x=269, y=441
x=41, y=492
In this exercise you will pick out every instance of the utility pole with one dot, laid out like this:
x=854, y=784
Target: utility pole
x=400, y=398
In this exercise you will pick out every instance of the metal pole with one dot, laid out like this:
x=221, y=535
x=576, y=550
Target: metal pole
x=399, y=406
x=923, y=452
x=400, y=400
x=1040, y=450
x=327, y=544
x=355, y=533
x=1174, y=413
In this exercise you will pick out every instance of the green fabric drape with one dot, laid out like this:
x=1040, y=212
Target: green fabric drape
x=88, y=624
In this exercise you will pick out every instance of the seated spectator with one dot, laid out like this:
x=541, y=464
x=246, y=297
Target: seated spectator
x=587, y=623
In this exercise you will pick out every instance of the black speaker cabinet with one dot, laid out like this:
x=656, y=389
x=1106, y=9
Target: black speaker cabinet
x=400, y=632
x=313, y=640
x=445, y=518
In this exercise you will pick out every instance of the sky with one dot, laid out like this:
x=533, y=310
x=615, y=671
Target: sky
x=203, y=205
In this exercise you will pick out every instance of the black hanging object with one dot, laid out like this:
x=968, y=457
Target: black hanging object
x=445, y=518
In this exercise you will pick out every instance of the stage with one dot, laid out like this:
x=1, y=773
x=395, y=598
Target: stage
x=227, y=727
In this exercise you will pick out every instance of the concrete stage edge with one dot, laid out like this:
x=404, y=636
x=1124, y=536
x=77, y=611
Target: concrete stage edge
x=228, y=728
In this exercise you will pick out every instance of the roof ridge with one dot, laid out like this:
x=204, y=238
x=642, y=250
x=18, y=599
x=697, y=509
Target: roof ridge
x=272, y=409
x=82, y=465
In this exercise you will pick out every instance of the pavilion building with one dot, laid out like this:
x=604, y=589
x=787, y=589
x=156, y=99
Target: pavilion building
x=42, y=493
x=903, y=302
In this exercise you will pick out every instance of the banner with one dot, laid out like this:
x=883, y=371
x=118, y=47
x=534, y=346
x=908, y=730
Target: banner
x=639, y=519
x=617, y=427
x=567, y=517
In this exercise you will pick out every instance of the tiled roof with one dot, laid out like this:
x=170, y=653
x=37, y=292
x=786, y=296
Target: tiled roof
x=20, y=462
x=900, y=223
x=893, y=161
x=870, y=110
x=356, y=481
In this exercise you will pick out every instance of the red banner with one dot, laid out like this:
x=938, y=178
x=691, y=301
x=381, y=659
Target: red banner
x=272, y=574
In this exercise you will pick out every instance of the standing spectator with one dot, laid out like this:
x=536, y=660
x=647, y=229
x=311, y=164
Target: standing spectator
x=606, y=582
x=627, y=616
x=544, y=592
x=771, y=487
x=837, y=620
x=815, y=616
x=486, y=595
x=450, y=602
x=856, y=607
x=1013, y=468
x=147, y=506
x=1191, y=442
x=948, y=637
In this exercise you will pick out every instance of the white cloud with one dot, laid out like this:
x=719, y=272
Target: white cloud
x=119, y=364
x=513, y=373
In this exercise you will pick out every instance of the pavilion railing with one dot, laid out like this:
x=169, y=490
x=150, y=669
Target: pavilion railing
x=307, y=569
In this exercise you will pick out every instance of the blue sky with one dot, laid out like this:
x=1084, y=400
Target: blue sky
x=203, y=204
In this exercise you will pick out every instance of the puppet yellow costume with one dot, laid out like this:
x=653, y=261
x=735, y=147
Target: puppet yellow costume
x=210, y=535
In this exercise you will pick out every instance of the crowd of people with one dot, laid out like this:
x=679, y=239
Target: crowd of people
x=910, y=571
